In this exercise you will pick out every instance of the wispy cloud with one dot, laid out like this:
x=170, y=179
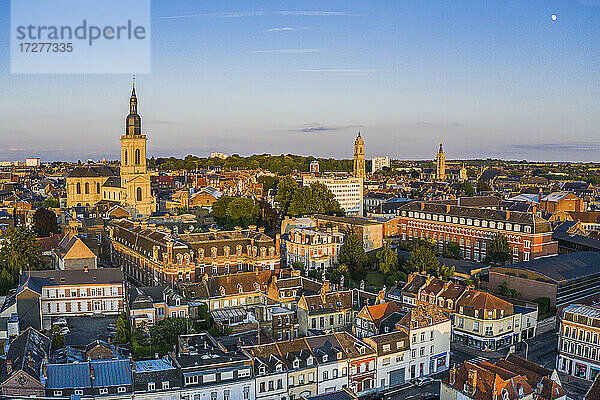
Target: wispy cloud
x=553, y=147
x=282, y=29
x=239, y=14
x=344, y=71
x=319, y=13
x=317, y=127
x=428, y=124
x=288, y=51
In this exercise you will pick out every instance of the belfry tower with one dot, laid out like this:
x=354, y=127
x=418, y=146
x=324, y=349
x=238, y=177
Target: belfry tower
x=440, y=166
x=359, y=158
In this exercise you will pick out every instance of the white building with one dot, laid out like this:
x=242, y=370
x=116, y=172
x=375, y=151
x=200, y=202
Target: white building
x=429, y=331
x=379, y=162
x=332, y=369
x=314, y=249
x=393, y=353
x=220, y=155
x=32, y=162
x=579, y=344
x=348, y=191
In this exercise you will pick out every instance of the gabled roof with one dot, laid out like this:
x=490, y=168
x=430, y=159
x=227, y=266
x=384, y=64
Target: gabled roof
x=72, y=247
x=378, y=312
x=28, y=351
x=93, y=171
x=483, y=301
x=421, y=316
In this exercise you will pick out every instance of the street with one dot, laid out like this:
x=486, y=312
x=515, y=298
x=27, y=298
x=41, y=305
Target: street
x=412, y=392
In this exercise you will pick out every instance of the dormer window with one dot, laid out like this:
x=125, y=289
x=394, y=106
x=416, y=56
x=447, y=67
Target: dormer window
x=222, y=291
x=324, y=357
x=213, y=251
x=279, y=368
x=177, y=302
x=238, y=250
x=296, y=363
x=257, y=286
x=309, y=361
x=261, y=369
x=240, y=288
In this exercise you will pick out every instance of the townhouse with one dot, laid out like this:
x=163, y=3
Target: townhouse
x=579, y=341
x=302, y=367
x=529, y=235
x=429, y=330
x=288, y=291
x=393, y=357
x=371, y=320
x=209, y=371
x=508, y=379
x=362, y=360
x=152, y=303
x=43, y=295
x=332, y=367
x=314, y=249
x=270, y=372
x=486, y=322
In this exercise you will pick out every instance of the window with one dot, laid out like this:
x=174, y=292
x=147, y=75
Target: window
x=213, y=395
x=246, y=392
x=121, y=389
x=57, y=393
x=78, y=188
x=78, y=392
x=98, y=187
x=125, y=157
x=151, y=386
x=139, y=194
x=137, y=157
x=226, y=394
x=165, y=385
x=103, y=390
x=87, y=188
x=262, y=387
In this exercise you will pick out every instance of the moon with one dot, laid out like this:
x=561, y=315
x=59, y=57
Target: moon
x=554, y=17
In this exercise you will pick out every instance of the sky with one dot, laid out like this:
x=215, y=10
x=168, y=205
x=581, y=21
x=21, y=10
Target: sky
x=488, y=78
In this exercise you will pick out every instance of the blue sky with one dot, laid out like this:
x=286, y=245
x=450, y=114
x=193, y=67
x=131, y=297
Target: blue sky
x=489, y=78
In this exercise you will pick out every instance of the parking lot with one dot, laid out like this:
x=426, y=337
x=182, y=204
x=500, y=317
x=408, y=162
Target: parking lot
x=85, y=330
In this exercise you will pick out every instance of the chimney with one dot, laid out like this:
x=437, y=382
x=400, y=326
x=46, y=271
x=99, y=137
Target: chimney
x=8, y=367
x=507, y=214
x=261, y=229
x=452, y=379
x=422, y=205
x=534, y=210
x=277, y=243
x=86, y=269
x=252, y=227
x=447, y=208
x=472, y=379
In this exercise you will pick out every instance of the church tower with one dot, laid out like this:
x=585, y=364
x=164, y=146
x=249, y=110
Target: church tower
x=359, y=158
x=135, y=180
x=440, y=168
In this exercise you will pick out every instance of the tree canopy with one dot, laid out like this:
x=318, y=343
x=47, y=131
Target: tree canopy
x=499, y=251
x=235, y=211
x=314, y=199
x=45, y=223
x=422, y=258
x=353, y=254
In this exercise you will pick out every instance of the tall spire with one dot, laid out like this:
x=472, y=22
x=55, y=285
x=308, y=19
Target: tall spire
x=133, y=99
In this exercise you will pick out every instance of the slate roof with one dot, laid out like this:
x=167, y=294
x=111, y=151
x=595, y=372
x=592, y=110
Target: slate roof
x=94, y=171
x=35, y=280
x=111, y=372
x=472, y=300
x=344, y=394
x=28, y=351
x=562, y=267
x=421, y=316
x=71, y=375
x=113, y=181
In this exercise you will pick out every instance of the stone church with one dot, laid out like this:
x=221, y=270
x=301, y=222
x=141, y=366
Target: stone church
x=128, y=185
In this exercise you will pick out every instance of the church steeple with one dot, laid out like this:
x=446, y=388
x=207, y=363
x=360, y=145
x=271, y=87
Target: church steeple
x=133, y=122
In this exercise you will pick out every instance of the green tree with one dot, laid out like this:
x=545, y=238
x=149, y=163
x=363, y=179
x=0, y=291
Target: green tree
x=219, y=209
x=453, y=251
x=483, y=187
x=241, y=212
x=499, y=250
x=466, y=188
x=164, y=333
x=50, y=202
x=7, y=281
x=422, y=258
x=387, y=260
x=20, y=251
x=314, y=199
x=44, y=222
x=353, y=254
x=58, y=339
x=123, y=332
x=268, y=182
x=446, y=272
x=396, y=278
x=285, y=191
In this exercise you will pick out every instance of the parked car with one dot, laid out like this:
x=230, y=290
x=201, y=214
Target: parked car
x=60, y=321
x=420, y=382
x=111, y=327
x=64, y=331
x=428, y=396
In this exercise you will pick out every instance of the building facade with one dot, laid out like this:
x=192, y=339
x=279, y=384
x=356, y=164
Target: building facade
x=347, y=190
x=579, y=341
x=378, y=163
x=529, y=235
x=359, y=170
x=440, y=165
x=314, y=249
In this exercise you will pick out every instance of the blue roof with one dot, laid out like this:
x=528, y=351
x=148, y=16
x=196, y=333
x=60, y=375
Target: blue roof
x=73, y=375
x=112, y=373
x=152, y=365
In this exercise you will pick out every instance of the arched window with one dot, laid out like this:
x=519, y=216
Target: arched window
x=87, y=188
x=137, y=157
x=78, y=188
x=98, y=187
x=125, y=157
x=139, y=194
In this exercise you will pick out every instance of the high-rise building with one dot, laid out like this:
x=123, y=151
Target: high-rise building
x=440, y=167
x=348, y=191
x=359, y=158
x=379, y=163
